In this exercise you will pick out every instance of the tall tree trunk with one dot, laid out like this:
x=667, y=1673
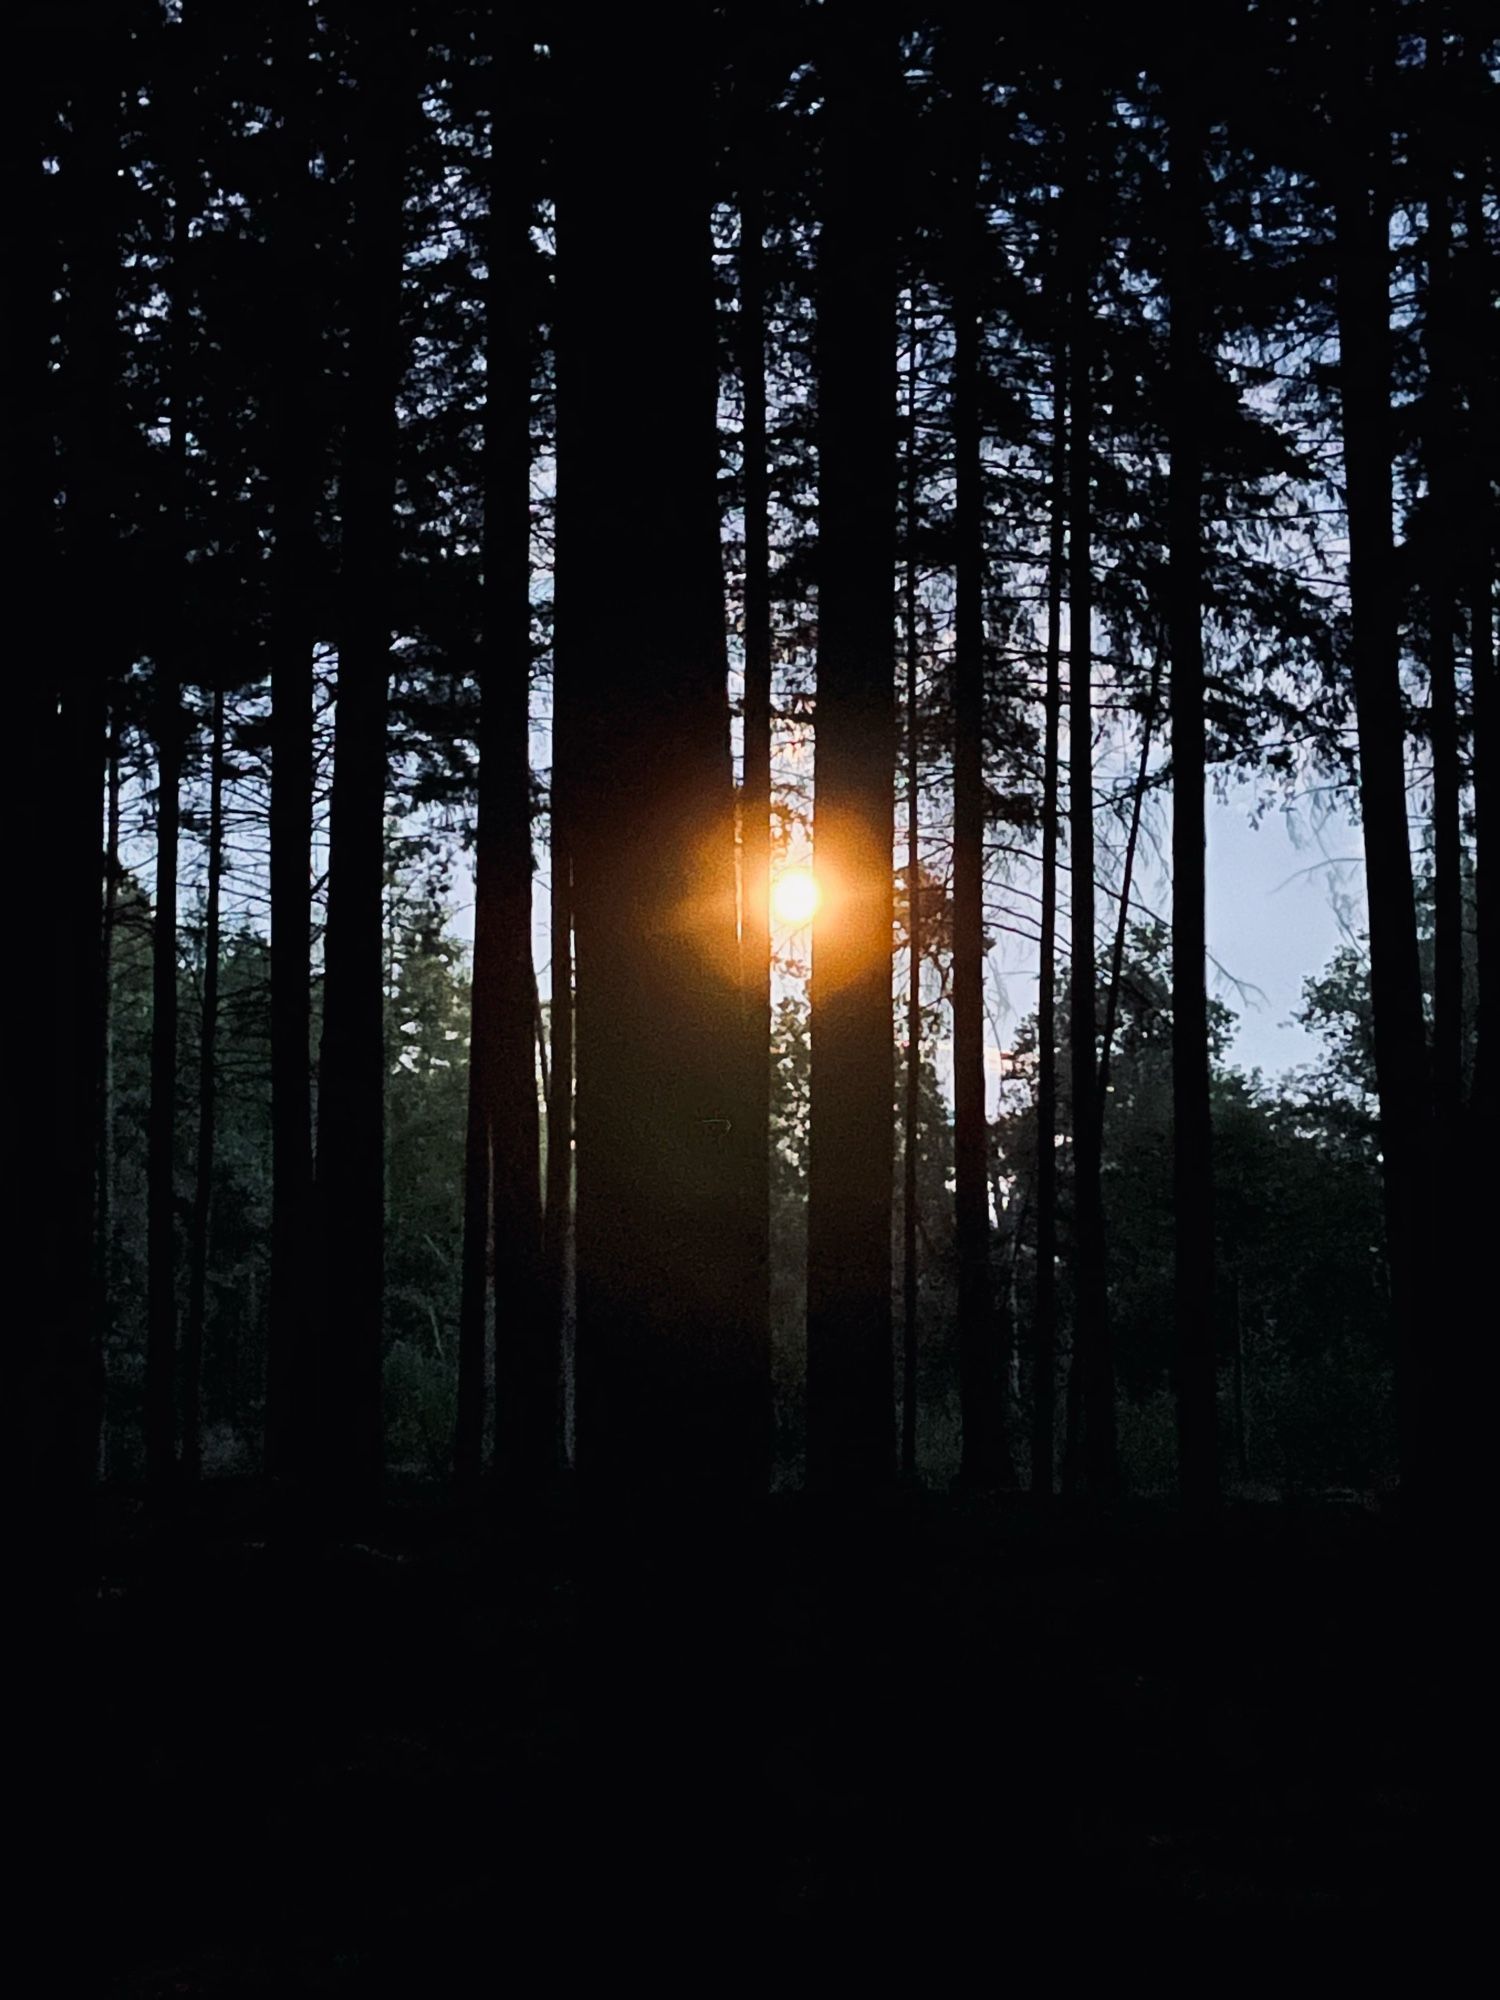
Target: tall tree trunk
x=208, y=1031
x=1044, y=1335
x=1479, y=595
x=351, y=1073
x=850, y=1391
x=527, y=1350
x=170, y=730
x=755, y=795
x=669, y=1363
x=113, y=873
x=558, y=1219
x=912, y=1108
x=1092, y=1355
x=1401, y=1060
x=980, y=1389
x=68, y=1384
x=1443, y=531
x=1192, y=1147
x=291, y=1363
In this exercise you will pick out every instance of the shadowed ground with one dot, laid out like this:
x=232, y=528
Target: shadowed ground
x=398, y=1763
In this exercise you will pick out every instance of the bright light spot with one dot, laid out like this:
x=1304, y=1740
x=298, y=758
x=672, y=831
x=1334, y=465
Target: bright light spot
x=795, y=897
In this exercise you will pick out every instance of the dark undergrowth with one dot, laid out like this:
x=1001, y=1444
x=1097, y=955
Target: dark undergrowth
x=427, y=1758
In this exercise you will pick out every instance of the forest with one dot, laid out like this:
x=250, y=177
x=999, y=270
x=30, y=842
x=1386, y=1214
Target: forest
x=665, y=1293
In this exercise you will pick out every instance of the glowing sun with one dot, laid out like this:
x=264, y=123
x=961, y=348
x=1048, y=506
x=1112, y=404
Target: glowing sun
x=795, y=896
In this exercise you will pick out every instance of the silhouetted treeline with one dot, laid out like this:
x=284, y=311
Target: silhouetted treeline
x=627, y=455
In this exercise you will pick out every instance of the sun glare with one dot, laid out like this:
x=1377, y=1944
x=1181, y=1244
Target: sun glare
x=795, y=897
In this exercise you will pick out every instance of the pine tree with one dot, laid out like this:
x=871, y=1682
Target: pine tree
x=669, y=1375
x=850, y=1392
x=350, y=1166
x=1191, y=1130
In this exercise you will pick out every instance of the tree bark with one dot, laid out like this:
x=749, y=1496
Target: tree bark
x=850, y=1391
x=351, y=1075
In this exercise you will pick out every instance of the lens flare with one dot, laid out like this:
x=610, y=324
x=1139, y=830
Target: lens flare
x=795, y=897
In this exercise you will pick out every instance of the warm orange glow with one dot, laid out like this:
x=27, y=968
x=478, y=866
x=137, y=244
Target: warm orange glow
x=795, y=897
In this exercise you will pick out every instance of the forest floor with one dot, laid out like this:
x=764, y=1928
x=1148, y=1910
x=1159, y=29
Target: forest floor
x=408, y=1763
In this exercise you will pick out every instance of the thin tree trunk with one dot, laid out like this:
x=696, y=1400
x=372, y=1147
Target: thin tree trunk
x=69, y=1386
x=1401, y=1060
x=1192, y=1137
x=112, y=876
x=527, y=1350
x=351, y=1085
x=1044, y=1336
x=850, y=1392
x=1091, y=1327
x=193, y=1345
x=912, y=1110
x=984, y=1447
x=1127, y=878
x=474, y=1268
x=755, y=797
x=1444, y=529
x=171, y=727
x=1479, y=594
x=558, y=1218
x=291, y=1362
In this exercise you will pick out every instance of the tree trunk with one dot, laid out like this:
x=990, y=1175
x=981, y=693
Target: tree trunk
x=1192, y=1153
x=1444, y=528
x=669, y=1371
x=105, y=1228
x=68, y=1384
x=1401, y=1059
x=171, y=729
x=912, y=1108
x=1044, y=1335
x=850, y=1392
x=291, y=1362
x=755, y=796
x=1091, y=1324
x=1127, y=878
x=193, y=1345
x=351, y=1075
x=981, y=1395
x=527, y=1352
x=1479, y=594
